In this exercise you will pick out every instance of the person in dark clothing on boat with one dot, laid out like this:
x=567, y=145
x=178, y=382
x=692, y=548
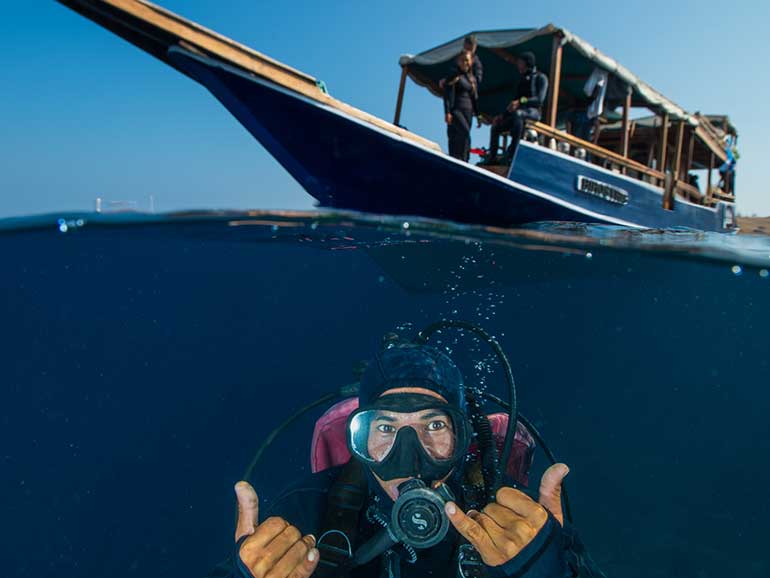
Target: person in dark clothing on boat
x=530, y=99
x=460, y=106
x=470, y=44
x=412, y=428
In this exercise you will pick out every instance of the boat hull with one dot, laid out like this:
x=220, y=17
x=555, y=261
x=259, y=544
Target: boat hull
x=348, y=163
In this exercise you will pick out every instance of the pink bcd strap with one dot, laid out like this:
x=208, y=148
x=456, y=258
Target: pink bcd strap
x=329, y=447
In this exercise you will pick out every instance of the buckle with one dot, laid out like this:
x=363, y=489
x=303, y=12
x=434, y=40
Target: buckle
x=469, y=563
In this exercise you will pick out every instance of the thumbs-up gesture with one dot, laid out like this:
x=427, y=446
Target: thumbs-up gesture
x=274, y=548
x=505, y=527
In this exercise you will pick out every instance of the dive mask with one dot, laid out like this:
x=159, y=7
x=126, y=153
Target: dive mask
x=408, y=435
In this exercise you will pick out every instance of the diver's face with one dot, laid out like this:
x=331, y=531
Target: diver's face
x=434, y=430
x=433, y=427
x=521, y=65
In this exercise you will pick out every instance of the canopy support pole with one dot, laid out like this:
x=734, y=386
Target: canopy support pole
x=400, y=100
x=669, y=186
x=708, y=177
x=679, y=139
x=553, y=97
x=690, y=152
x=673, y=175
x=625, y=134
x=662, y=148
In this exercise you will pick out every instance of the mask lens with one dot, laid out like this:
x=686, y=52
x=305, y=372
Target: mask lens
x=373, y=432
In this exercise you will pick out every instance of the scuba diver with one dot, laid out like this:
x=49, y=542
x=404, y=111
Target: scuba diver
x=423, y=493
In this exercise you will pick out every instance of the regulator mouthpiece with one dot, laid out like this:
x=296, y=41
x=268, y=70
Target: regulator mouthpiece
x=418, y=517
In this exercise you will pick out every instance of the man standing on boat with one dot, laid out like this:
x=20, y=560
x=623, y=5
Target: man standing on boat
x=460, y=106
x=461, y=93
x=528, y=105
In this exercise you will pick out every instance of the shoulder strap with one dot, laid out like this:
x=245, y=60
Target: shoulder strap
x=339, y=529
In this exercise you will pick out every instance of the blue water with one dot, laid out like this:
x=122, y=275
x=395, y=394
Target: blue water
x=145, y=358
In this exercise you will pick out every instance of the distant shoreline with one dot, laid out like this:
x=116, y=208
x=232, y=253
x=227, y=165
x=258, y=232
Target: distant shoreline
x=754, y=225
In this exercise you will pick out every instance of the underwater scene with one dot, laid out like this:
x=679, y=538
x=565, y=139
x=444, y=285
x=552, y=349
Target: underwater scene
x=148, y=358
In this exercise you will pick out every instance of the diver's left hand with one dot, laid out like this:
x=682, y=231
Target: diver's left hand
x=505, y=527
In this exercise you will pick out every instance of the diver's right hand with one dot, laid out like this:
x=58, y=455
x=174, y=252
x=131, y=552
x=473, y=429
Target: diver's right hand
x=274, y=548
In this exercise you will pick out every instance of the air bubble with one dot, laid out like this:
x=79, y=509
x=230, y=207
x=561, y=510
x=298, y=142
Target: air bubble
x=763, y=273
x=737, y=270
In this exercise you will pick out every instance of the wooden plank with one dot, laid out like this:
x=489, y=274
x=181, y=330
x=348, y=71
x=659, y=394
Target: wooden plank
x=663, y=143
x=501, y=170
x=596, y=150
x=158, y=25
x=554, y=81
x=625, y=126
x=400, y=101
x=154, y=30
x=668, y=192
x=722, y=195
x=690, y=151
x=678, y=155
x=711, y=142
x=689, y=192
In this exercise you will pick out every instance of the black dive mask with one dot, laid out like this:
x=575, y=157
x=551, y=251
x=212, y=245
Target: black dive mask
x=408, y=436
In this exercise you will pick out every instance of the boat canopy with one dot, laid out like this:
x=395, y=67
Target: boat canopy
x=497, y=50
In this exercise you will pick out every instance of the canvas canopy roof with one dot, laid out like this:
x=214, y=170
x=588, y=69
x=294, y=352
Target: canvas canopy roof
x=497, y=50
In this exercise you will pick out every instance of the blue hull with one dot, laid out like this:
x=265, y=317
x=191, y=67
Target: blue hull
x=350, y=164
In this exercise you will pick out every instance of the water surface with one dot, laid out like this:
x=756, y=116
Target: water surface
x=146, y=357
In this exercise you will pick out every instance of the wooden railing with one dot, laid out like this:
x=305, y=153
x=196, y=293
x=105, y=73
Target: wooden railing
x=689, y=192
x=717, y=194
x=624, y=165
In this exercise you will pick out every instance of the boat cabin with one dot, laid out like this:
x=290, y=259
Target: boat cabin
x=639, y=132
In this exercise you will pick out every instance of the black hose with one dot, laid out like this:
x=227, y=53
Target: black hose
x=490, y=465
x=541, y=442
x=373, y=548
x=510, y=434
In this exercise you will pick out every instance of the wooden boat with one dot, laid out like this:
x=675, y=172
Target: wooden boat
x=349, y=159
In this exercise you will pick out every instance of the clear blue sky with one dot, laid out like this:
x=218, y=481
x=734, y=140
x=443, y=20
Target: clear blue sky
x=85, y=114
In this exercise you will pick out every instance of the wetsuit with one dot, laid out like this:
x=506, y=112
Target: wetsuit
x=555, y=552
x=531, y=93
x=460, y=100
